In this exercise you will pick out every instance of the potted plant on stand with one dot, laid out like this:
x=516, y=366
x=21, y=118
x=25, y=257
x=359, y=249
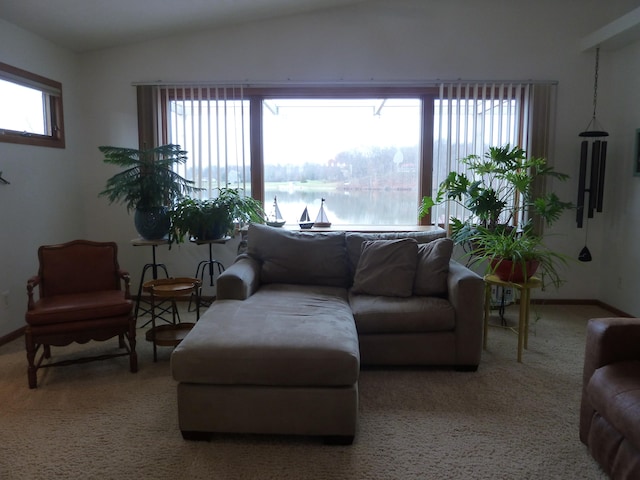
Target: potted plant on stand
x=516, y=255
x=211, y=219
x=498, y=192
x=148, y=185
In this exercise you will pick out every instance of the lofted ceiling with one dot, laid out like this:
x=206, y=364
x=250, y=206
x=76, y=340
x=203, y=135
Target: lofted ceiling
x=85, y=25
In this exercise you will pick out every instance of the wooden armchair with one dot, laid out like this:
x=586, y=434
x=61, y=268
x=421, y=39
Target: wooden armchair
x=80, y=299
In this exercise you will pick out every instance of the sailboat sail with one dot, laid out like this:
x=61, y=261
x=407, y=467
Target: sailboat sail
x=322, y=220
x=275, y=218
x=305, y=220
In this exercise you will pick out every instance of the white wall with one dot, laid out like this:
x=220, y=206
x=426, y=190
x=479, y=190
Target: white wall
x=42, y=203
x=383, y=41
x=380, y=41
x=621, y=229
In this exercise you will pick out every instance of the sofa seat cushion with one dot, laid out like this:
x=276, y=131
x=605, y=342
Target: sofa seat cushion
x=283, y=335
x=79, y=307
x=614, y=392
x=378, y=314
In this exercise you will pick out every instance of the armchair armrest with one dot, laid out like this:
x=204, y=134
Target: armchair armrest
x=608, y=340
x=32, y=283
x=466, y=294
x=124, y=275
x=240, y=280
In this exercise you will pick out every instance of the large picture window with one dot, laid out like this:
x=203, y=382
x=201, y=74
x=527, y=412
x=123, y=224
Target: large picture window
x=362, y=155
x=30, y=108
x=370, y=153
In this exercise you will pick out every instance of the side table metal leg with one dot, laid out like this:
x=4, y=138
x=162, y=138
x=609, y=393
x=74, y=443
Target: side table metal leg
x=154, y=269
x=487, y=306
x=522, y=321
x=526, y=293
x=153, y=328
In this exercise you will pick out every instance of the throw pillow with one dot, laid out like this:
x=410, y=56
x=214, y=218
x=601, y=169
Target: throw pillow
x=433, y=268
x=386, y=267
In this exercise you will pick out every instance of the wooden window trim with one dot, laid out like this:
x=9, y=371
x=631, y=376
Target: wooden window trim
x=55, y=117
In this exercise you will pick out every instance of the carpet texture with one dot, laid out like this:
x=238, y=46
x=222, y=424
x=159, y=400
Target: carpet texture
x=505, y=421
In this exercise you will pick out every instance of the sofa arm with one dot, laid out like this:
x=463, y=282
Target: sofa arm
x=240, y=280
x=466, y=294
x=608, y=340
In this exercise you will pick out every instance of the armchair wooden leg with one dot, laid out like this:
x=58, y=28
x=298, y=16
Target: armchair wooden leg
x=47, y=351
x=133, y=356
x=31, y=357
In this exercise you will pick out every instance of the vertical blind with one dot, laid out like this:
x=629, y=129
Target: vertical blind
x=212, y=125
x=471, y=117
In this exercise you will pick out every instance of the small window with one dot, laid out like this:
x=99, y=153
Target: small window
x=30, y=108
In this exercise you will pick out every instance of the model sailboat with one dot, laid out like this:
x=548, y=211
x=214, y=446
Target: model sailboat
x=275, y=218
x=305, y=220
x=322, y=221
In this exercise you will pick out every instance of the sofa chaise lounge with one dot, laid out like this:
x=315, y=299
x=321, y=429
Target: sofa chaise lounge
x=280, y=349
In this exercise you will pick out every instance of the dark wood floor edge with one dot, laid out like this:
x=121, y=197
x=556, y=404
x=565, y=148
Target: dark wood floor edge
x=11, y=336
x=598, y=303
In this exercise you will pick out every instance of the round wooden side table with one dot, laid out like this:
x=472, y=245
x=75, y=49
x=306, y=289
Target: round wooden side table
x=169, y=289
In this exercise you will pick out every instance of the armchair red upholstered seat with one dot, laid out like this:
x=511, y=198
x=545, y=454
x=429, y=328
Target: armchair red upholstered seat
x=80, y=298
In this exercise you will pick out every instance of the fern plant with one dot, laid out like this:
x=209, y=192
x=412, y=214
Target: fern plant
x=148, y=179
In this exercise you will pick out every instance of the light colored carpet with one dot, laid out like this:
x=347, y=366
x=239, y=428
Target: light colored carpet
x=505, y=421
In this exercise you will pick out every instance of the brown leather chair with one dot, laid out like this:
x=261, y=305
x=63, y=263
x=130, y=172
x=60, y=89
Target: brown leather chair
x=610, y=406
x=80, y=299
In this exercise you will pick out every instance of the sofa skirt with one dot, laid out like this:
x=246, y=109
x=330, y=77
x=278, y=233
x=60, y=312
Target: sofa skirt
x=322, y=411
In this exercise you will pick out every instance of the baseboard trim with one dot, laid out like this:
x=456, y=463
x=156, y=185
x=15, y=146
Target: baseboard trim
x=11, y=336
x=617, y=312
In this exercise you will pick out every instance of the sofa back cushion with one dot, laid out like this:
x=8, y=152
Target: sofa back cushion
x=386, y=267
x=299, y=257
x=432, y=268
x=354, y=242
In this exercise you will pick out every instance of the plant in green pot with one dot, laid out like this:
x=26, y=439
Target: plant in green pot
x=148, y=185
x=213, y=218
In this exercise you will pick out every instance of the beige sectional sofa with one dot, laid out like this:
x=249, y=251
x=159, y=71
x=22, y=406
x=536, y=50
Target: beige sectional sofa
x=280, y=349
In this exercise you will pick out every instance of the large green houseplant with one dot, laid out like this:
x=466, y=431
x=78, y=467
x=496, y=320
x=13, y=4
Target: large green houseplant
x=213, y=218
x=498, y=191
x=148, y=185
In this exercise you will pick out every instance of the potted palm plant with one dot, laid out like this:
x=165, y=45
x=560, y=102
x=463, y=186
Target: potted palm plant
x=148, y=185
x=211, y=219
x=498, y=192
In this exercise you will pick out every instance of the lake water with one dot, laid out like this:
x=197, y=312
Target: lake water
x=353, y=207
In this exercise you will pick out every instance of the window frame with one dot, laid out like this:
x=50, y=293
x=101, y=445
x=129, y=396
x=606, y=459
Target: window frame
x=534, y=120
x=53, y=96
x=256, y=95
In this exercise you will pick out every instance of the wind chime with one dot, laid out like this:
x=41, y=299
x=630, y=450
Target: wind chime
x=595, y=187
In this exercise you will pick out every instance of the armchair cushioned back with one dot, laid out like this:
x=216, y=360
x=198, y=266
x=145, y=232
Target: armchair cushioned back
x=77, y=267
x=80, y=299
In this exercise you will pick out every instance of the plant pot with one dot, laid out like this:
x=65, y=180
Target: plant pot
x=213, y=231
x=509, y=271
x=152, y=223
